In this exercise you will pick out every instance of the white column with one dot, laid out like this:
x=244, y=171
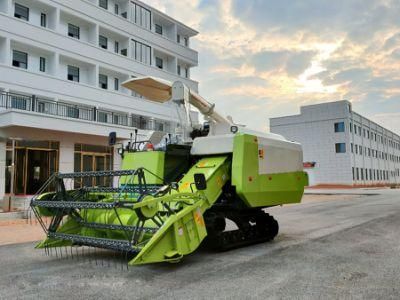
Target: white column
x=54, y=66
x=175, y=33
x=7, y=52
x=94, y=34
x=95, y=75
x=9, y=7
x=57, y=21
x=66, y=159
x=2, y=167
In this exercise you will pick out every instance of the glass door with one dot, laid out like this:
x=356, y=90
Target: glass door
x=99, y=164
x=87, y=166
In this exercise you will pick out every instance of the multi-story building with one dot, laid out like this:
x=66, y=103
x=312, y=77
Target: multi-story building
x=62, y=63
x=341, y=147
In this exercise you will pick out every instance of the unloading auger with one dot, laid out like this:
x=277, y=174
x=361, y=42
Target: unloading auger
x=165, y=201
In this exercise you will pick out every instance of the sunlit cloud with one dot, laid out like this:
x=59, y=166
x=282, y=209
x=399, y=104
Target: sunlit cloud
x=261, y=59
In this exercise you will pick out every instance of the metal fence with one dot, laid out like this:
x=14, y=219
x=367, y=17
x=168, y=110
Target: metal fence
x=75, y=111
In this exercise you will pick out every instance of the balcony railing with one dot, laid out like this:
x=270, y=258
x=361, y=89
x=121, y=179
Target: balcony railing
x=81, y=112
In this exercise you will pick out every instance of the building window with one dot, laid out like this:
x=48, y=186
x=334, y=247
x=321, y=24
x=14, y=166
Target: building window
x=178, y=38
x=103, y=4
x=354, y=175
x=355, y=129
x=72, y=112
x=159, y=29
x=103, y=81
x=186, y=40
x=73, y=73
x=351, y=127
x=102, y=117
x=186, y=73
x=21, y=12
x=116, y=9
x=20, y=59
x=141, y=16
x=352, y=147
x=73, y=31
x=358, y=174
x=103, y=42
x=178, y=70
x=141, y=52
x=159, y=63
x=340, y=148
x=42, y=64
x=43, y=20
x=116, y=47
x=116, y=84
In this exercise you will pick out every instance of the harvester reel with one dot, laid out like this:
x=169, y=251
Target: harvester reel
x=148, y=211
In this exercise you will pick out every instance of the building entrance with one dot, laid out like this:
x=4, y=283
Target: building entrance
x=92, y=158
x=34, y=162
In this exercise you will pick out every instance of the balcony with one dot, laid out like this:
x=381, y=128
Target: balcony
x=15, y=101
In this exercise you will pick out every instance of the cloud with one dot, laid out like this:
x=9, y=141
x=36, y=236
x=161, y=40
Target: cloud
x=261, y=59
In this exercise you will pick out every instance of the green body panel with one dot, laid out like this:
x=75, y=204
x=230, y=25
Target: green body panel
x=262, y=190
x=180, y=227
x=183, y=232
x=151, y=160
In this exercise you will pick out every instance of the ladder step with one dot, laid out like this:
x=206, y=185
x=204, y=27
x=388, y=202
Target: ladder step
x=96, y=174
x=117, y=227
x=73, y=204
x=118, y=245
x=123, y=189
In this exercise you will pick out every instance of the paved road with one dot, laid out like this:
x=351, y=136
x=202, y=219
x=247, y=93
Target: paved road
x=347, y=248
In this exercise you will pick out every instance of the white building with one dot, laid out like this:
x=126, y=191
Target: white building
x=341, y=147
x=62, y=63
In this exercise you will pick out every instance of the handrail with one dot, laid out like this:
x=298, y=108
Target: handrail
x=11, y=100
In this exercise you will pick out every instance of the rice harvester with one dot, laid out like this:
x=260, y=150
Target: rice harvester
x=168, y=198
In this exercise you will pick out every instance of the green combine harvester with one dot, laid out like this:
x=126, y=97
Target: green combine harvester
x=170, y=197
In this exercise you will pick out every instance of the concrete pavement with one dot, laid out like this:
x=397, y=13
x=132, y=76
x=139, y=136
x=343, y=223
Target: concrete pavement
x=342, y=248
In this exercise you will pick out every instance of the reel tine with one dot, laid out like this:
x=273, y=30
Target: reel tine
x=126, y=260
x=95, y=255
x=61, y=256
x=55, y=249
x=90, y=255
x=66, y=252
x=70, y=248
x=102, y=257
x=77, y=253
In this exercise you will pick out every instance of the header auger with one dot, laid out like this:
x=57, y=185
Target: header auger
x=166, y=200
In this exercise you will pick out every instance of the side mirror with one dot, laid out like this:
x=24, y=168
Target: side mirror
x=112, y=138
x=200, y=181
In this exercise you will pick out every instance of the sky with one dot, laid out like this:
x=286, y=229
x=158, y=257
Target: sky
x=265, y=58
